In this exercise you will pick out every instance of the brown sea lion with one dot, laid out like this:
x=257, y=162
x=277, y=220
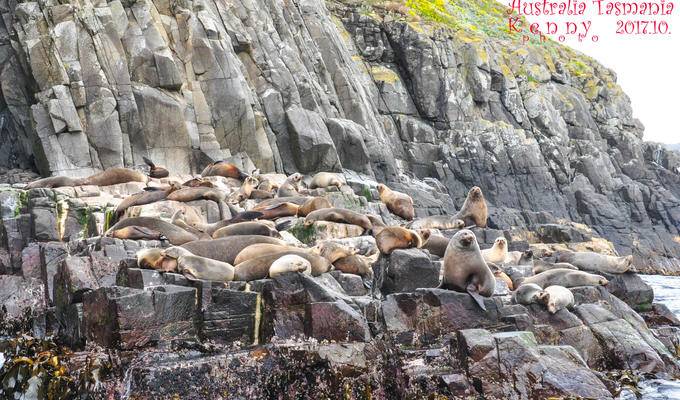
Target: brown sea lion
x=297, y=200
x=499, y=274
x=594, y=262
x=195, y=267
x=396, y=237
x=258, y=194
x=114, y=176
x=281, y=210
x=264, y=228
x=188, y=194
x=271, y=181
x=437, y=245
x=355, y=264
x=258, y=268
x=225, y=169
x=198, y=182
x=290, y=186
x=227, y=248
x=174, y=234
x=377, y=223
x=147, y=196
x=519, y=257
x=526, y=294
x=556, y=298
x=327, y=179
x=244, y=192
x=156, y=171
x=239, y=217
x=437, y=222
x=53, y=182
x=340, y=215
x=542, y=266
x=498, y=252
x=137, y=233
x=465, y=269
x=333, y=251
x=262, y=249
x=398, y=203
x=564, y=277
x=150, y=258
x=474, y=210
x=289, y=263
x=313, y=204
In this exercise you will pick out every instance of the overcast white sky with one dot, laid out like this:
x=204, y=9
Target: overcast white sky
x=647, y=66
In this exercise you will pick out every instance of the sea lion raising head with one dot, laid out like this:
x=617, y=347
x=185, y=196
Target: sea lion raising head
x=398, y=203
x=156, y=171
x=474, y=211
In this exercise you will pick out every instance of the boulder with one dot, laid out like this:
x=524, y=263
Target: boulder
x=405, y=271
x=310, y=143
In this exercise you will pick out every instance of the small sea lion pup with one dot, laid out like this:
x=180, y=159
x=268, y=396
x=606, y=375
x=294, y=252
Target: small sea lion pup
x=436, y=245
x=290, y=263
x=156, y=171
x=526, y=294
x=465, y=269
x=437, y=222
x=589, y=261
x=327, y=179
x=194, y=267
x=565, y=277
x=474, y=210
x=225, y=169
x=396, y=237
x=556, y=298
x=340, y=215
x=498, y=252
x=398, y=203
x=290, y=186
x=333, y=251
x=114, y=176
x=356, y=264
x=519, y=257
x=249, y=184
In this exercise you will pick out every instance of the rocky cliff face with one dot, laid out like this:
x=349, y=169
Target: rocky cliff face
x=402, y=94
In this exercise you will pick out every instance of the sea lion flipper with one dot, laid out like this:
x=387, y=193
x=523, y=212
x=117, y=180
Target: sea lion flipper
x=478, y=298
x=148, y=162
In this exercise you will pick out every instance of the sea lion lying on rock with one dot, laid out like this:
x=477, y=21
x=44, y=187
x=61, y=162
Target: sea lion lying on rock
x=258, y=268
x=313, y=204
x=564, y=277
x=340, y=215
x=195, y=267
x=398, y=203
x=226, y=249
x=225, y=169
x=519, y=257
x=589, y=261
x=290, y=186
x=114, y=176
x=290, y=263
x=264, y=228
x=526, y=294
x=396, y=237
x=327, y=179
x=556, y=298
x=436, y=245
x=175, y=235
x=137, y=233
x=147, y=196
x=262, y=249
x=542, y=266
x=437, y=222
x=52, y=182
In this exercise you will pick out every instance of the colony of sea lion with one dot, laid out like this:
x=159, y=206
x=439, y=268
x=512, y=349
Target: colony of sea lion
x=248, y=241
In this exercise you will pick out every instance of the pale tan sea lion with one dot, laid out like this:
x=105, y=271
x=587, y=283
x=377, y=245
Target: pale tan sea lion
x=465, y=269
x=156, y=171
x=565, y=277
x=542, y=266
x=150, y=258
x=556, y=298
x=198, y=182
x=147, y=196
x=313, y=204
x=53, y=182
x=500, y=274
x=594, y=262
x=264, y=228
x=398, y=203
x=377, y=223
x=262, y=249
x=437, y=222
x=526, y=294
x=225, y=169
x=339, y=215
x=332, y=251
x=290, y=186
x=244, y=192
x=188, y=194
x=498, y=252
x=136, y=233
x=226, y=249
x=271, y=181
x=289, y=263
x=355, y=264
x=519, y=257
x=297, y=200
x=173, y=233
x=258, y=268
x=327, y=179
x=195, y=267
x=396, y=237
x=474, y=210
x=259, y=194
x=114, y=176
x=178, y=219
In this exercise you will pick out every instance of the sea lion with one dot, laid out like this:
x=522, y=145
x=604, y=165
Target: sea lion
x=396, y=237
x=262, y=249
x=465, y=269
x=297, y=200
x=498, y=252
x=594, y=262
x=289, y=263
x=198, y=182
x=195, y=267
x=188, y=194
x=355, y=264
x=436, y=244
x=333, y=251
x=239, y=217
x=398, y=203
x=474, y=210
x=377, y=223
x=52, y=182
x=500, y=274
x=259, y=194
x=225, y=169
x=244, y=192
x=565, y=277
x=150, y=258
x=519, y=257
x=290, y=186
x=173, y=233
x=280, y=210
x=178, y=219
x=114, y=176
x=340, y=215
x=264, y=228
x=364, y=245
x=227, y=248
x=313, y=204
x=258, y=268
x=556, y=298
x=437, y=222
x=526, y=294
x=542, y=266
x=137, y=233
x=147, y=196
x=327, y=179
x=156, y=171
x=271, y=181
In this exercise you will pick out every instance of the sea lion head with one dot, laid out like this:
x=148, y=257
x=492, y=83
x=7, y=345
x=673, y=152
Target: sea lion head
x=527, y=255
x=601, y=280
x=424, y=235
x=175, y=252
x=475, y=193
x=501, y=243
x=458, y=224
x=464, y=239
x=295, y=178
x=382, y=188
x=252, y=181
